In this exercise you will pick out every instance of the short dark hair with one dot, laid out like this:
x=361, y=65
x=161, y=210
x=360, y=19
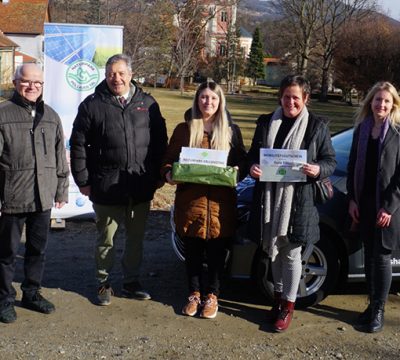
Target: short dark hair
x=119, y=57
x=292, y=80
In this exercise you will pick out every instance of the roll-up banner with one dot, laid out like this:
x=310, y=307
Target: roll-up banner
x=74, y=64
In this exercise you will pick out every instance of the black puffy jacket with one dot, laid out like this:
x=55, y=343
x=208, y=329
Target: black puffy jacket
x=115, y=150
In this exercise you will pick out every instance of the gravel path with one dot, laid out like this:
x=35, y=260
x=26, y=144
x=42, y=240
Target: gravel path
x=130, y=329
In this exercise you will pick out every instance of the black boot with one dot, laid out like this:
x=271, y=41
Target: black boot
x=372, y=322
x=377, y=317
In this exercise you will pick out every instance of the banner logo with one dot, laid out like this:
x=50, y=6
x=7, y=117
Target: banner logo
x=82, y=75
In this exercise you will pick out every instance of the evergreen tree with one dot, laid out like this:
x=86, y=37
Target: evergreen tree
x=255, y=62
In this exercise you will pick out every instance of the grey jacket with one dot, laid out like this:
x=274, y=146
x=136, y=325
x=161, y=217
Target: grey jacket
x=33, y=165
x=388, y=183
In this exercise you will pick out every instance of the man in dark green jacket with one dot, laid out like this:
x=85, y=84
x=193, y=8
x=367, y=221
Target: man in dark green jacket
x=33, y=177
x=117, y=143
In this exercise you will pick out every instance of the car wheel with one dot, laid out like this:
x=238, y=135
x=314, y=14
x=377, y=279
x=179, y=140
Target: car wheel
x=320, y=269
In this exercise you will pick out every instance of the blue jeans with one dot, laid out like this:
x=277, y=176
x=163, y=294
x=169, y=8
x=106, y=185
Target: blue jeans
x=37, y=228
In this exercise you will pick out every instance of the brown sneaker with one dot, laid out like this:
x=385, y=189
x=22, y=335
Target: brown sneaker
x=193, y=304
x=210, y=307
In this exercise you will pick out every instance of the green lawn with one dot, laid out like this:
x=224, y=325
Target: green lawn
x=245, y=110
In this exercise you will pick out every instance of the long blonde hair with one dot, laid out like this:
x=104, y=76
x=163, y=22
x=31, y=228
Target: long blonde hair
x=221, y=131
x=365, y=109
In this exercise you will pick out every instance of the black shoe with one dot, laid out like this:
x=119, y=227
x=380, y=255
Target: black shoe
x=7, y=313
x=376, y=319
x=38, y=303
x=134, y=290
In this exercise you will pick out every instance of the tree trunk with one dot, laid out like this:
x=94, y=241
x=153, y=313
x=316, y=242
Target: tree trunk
x=323, y=97
x=182, y=84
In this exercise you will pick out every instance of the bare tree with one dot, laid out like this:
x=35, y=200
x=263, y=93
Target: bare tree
x=334, y=16
x=161, y=32
x=191, y=19
x=301, y=17
x=367, y=54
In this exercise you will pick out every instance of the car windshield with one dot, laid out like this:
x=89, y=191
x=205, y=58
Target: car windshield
x=342, y=144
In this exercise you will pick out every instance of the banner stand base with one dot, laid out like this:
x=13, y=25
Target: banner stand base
x=57, y=223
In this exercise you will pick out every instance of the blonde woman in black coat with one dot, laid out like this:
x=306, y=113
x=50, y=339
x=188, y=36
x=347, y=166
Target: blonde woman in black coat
x=373, y=185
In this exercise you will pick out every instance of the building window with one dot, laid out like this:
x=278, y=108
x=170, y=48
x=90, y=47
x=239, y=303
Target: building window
x=224, y=16
x=222, y=50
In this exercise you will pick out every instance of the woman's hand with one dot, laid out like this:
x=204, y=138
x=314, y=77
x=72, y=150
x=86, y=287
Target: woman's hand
x=255, y=171
x=354, y=212
x=311, y=170
x=168, y=177
x=383, y=218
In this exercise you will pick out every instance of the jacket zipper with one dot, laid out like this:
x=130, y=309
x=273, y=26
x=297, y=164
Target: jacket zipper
x=32, y=141
x=208, y=217
x=208, y=200
x=44, y=141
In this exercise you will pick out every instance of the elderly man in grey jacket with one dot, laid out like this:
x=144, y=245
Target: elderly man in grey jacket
x=33, y=177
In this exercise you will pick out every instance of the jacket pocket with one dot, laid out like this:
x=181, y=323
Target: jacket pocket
x=108, y=179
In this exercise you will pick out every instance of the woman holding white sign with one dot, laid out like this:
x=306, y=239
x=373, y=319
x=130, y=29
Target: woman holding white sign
x=205, y=214
x=284, y=216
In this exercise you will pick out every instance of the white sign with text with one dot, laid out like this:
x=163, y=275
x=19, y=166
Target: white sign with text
x=203, y=156
x=282, y=165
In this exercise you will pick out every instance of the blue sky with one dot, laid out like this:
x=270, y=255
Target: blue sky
x=392, y=7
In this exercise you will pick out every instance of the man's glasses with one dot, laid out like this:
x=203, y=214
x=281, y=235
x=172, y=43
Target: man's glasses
x=27, y=83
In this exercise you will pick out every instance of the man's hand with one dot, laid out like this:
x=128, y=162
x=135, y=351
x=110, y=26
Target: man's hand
x=85, y=190
x=168, y=177
x=59, y=205
x=354, y=212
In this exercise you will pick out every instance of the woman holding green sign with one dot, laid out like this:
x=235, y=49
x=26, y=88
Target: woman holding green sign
x=284, y=216
x=205, y=214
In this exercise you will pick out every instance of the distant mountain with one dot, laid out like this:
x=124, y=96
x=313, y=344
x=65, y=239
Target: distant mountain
x=253, y=12
x=256, y=5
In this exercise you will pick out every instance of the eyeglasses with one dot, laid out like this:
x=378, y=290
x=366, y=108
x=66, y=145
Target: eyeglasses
x=27, y=83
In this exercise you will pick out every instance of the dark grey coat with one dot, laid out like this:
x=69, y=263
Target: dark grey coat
x=33, y=165
x=388, y=182
x=304, y=219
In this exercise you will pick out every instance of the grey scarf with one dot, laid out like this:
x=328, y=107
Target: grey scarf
x=278, y=204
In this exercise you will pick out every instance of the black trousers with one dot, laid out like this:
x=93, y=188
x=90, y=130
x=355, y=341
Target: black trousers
x=213, y=252
x=37, y=228
x=377, y=259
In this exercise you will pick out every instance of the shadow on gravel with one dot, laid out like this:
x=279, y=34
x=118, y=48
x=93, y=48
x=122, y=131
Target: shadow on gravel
x=330, y=312
x=70, y=267
x=70, y=262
